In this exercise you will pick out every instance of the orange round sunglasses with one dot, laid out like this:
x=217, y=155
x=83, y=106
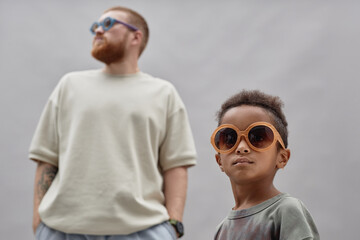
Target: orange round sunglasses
x=260, y=136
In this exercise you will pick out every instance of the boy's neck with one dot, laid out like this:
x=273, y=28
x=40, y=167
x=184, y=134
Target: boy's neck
x=247, y=196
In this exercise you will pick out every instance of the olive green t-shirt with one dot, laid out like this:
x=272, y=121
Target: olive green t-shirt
x=281, y=217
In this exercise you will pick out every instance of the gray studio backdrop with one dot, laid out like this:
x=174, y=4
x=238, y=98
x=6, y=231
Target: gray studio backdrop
x=307, y=52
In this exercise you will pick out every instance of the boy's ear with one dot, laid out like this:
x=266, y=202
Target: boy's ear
x=283, y=158
x=218, y=160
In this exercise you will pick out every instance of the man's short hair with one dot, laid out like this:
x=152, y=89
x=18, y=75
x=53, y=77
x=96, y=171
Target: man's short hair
x=272, y=104
x=136, y=20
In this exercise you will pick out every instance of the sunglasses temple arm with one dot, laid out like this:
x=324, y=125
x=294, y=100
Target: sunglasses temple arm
x=281, y=141
x=128, y=25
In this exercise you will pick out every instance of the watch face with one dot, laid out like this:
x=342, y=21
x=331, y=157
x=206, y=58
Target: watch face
x=180, y=228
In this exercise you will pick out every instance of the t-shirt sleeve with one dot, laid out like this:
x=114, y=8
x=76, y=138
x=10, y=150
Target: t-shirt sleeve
x=296, y=222
x=218, y=228
x=177, y=148
x=44, y=145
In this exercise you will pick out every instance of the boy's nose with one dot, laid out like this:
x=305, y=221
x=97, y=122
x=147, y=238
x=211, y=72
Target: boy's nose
x=243, y=147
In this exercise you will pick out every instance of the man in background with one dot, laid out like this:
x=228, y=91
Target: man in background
x=112, y=145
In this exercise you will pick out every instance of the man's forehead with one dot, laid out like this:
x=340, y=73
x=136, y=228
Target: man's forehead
x=117, y=14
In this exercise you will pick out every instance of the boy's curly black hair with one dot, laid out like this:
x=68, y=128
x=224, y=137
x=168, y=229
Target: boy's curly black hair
x=272, y=104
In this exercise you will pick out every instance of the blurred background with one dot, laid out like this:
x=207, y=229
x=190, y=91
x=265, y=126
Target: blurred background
x=306, y=52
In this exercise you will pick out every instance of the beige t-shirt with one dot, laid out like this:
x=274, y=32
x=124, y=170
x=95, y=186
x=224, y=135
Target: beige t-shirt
x=111, y=136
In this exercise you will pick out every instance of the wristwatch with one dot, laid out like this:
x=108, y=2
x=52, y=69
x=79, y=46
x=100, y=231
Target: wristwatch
x=179, y=227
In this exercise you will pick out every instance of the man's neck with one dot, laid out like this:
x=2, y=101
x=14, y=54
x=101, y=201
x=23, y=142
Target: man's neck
x=122, y=67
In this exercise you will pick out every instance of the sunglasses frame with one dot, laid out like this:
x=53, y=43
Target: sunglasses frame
x=245, y=133
x=112, y=22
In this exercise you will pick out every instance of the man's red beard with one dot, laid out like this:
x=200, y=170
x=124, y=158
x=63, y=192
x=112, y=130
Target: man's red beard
x=108, y=53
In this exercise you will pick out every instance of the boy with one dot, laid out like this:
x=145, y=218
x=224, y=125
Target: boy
x=251, y=145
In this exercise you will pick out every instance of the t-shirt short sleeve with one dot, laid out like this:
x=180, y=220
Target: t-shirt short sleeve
x=44, y=145
x=296, y=221
x=177, y=149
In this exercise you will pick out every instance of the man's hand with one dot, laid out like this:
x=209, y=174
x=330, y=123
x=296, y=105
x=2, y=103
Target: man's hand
x=175, y=187
x=36, y=221
x=44, y=176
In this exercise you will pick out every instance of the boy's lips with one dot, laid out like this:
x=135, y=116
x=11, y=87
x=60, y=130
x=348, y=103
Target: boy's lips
x=242, y=160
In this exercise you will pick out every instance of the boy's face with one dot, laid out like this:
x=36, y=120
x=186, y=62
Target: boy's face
x=245, y=165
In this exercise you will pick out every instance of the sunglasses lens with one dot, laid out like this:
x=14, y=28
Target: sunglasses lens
x=261, y=136
x=225, y=138
x=107, y=23
x=94, y=27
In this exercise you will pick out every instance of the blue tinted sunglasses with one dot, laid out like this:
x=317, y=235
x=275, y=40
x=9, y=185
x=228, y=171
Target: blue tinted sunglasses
x=108, y=23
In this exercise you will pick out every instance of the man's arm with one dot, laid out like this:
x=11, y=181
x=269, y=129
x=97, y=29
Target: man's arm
x=44, y=176
x=175, y=187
